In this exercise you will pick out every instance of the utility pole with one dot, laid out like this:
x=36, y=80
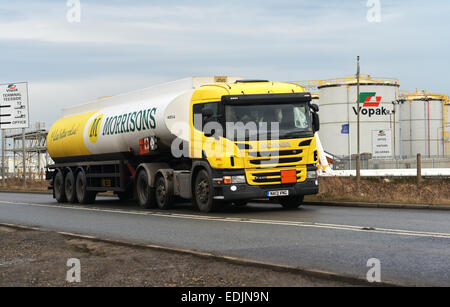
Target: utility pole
x=3, y=157
x=24, y=159
x=358, y=165
x=358, y=105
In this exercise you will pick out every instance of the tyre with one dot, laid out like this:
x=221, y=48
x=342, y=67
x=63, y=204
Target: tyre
x=83, y=195
x=203, y=191
x=291, y=202
x=58, y=188
x=69, y=187
x=163, y=195
x=240, y=203
x=144, y=194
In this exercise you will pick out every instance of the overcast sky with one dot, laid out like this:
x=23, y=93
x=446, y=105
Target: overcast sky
x=120, y=46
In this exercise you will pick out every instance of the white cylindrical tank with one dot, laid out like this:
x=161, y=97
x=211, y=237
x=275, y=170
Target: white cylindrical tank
x=423, y=123
x=338, y=115
x=161, y=112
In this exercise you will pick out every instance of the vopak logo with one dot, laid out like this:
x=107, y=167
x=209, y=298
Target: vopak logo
x=94, y=128
x=369, y=99
x=12, y=88
x=370, y=105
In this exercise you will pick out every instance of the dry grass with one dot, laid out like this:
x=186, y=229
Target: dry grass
x=377, y=190
x=32, y=185
x=430, y=191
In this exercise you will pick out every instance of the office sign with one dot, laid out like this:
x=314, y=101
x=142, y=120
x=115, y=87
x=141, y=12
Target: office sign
x=14, y=106
x=382, y=143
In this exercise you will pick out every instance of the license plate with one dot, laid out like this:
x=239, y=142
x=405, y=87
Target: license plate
x=278, y=193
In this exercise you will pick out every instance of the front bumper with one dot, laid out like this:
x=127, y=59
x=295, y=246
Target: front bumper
x=245, y=191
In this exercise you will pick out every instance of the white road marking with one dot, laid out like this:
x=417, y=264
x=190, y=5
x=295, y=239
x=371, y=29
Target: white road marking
x=247, y=220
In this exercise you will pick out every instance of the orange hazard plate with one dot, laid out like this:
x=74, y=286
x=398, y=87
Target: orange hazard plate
x=289, y=176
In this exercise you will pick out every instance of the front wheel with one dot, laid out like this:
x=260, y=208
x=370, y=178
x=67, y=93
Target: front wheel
x=203, y=197
x=291, y=202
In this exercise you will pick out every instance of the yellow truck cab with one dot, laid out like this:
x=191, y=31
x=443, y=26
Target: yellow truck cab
x=281, y=166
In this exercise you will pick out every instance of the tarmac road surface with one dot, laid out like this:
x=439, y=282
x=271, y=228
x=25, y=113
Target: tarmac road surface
x=413, y=246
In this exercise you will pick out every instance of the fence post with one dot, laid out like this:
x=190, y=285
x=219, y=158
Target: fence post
x=419, y=168
x=358, y=172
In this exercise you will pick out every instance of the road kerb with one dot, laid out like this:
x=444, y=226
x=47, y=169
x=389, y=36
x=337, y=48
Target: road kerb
x=230, y=259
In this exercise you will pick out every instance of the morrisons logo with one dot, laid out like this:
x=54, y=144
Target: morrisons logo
x=370, y=105
x=130, y=122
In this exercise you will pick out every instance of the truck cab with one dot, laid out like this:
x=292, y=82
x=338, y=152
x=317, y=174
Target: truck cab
x=252, y=140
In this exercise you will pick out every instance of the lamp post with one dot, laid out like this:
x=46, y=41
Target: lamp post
x=358, y=166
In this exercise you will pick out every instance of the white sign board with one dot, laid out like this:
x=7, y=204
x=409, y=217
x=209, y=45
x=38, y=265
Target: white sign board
x=14, y=106
x=381, y=143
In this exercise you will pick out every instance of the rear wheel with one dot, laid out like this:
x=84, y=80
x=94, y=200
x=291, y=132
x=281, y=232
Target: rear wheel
x=145, y=194
x=163, y=195
x=83, y=195
x=58, y=188
x=69, y=187
x=203, y=197
x=291, y=202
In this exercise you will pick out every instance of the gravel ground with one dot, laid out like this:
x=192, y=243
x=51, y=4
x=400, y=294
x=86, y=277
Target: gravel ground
x=39, y=258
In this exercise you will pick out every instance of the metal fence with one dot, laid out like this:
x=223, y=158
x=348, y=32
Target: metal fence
x=366, y=162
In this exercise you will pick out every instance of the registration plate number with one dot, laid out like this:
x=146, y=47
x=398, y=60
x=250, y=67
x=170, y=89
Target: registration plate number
x=278, y=193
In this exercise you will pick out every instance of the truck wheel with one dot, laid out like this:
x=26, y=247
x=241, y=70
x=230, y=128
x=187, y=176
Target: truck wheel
x=69, y=187
x=145, y=194
x=164, y=197
x=83, y=195
x=58, y=188
x=291, y=202
x=203, y=197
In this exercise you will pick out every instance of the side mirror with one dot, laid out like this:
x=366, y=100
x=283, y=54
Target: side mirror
x=314, y=107
x=315, y=122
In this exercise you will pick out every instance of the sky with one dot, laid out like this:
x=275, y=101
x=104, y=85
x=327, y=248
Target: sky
x=121, y=46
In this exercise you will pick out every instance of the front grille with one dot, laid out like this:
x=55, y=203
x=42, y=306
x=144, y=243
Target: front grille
x=276, y=160
x=268, y=177
x=280, y=153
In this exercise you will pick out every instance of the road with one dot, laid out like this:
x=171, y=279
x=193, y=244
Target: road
x=413, y=246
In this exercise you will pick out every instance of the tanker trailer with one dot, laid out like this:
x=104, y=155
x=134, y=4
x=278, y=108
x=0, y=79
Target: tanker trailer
x=204, y=138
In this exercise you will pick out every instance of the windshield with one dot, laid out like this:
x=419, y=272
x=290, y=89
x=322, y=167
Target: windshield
x=268, y=121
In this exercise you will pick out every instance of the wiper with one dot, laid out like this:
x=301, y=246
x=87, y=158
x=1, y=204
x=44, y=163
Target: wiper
x=294, y=133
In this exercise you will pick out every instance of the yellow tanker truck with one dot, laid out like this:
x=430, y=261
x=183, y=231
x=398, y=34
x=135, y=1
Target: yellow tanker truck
x=208, y=139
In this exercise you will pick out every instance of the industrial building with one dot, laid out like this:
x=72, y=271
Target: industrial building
x=393, y=123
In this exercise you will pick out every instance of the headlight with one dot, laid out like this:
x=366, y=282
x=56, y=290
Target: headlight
x=311, y=175
x=238, y=179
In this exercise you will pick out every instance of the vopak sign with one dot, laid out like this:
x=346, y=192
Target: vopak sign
x=371, y=105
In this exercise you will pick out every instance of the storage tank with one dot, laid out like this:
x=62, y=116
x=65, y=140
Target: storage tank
x=424, y=123
x=379, y=121
x=155, y=112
